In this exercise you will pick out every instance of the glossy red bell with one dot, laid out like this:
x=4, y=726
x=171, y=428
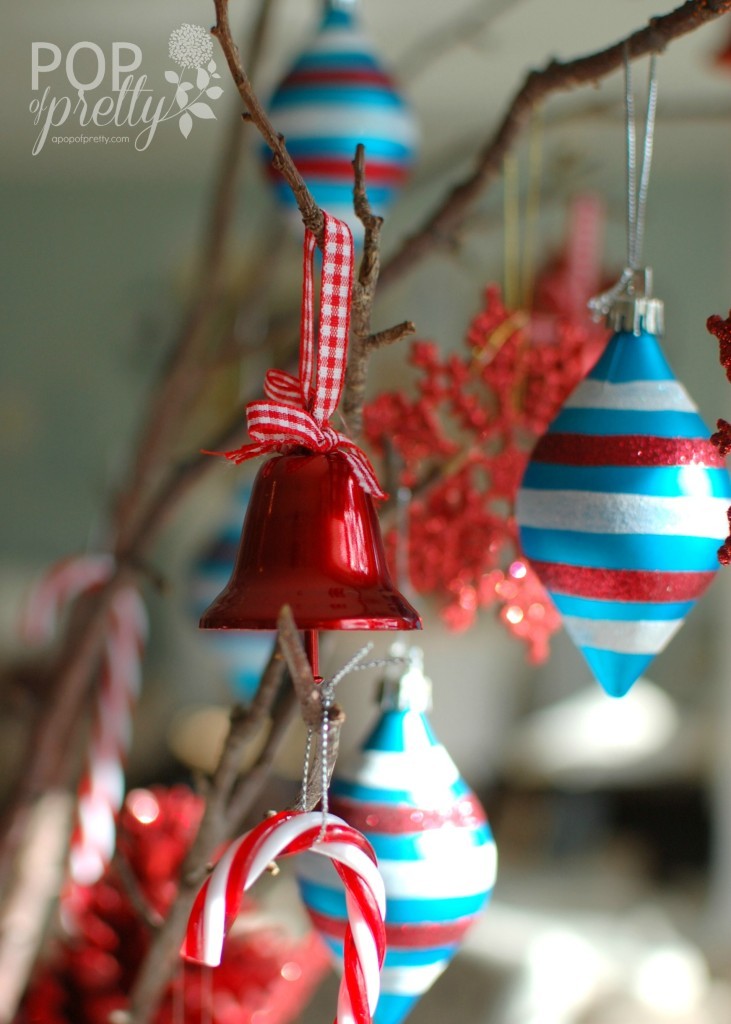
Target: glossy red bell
x=311, y=539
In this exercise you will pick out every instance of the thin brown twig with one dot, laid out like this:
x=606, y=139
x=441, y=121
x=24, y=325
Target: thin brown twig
x=364, y=293
x=51, y=736
x=391, y=335
x=558, y=76
x=216, y=826
x=283, y=162
x=72, y=669
x=287, y=689
x=181, y=375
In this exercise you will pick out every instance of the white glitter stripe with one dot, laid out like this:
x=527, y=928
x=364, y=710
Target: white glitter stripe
x=643, y=636
x=413, y=771
x=601, y=512
x=641, y=395
x=327, y=121
x=414, y=981
x=431, y=879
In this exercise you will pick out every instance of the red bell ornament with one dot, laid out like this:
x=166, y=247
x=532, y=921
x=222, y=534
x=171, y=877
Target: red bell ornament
x=311, y=537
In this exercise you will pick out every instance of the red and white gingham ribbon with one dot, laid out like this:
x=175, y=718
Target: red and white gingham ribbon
x=298, y=409
x=101, y=790
x=282, y=835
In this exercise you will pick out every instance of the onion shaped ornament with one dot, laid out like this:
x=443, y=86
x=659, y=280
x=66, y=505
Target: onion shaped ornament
x=336, y=95
x=435, y=849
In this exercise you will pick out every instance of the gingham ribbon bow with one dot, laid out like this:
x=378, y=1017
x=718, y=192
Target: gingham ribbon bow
x=298, y=409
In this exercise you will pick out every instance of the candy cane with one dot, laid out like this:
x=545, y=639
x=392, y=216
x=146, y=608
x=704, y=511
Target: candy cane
x=61, y=585
x=285, y=834
x=101, y=790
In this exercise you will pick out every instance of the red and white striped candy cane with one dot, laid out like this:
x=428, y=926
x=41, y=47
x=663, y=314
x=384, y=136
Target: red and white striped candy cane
x=101, y=790
x=59, y=587
x=285, y=834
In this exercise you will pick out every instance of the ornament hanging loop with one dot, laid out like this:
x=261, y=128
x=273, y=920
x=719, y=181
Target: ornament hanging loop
x=628, y=305
x=317, y=770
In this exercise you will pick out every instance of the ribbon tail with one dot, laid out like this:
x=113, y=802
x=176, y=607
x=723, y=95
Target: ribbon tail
x=247, y=451
x=364, y=471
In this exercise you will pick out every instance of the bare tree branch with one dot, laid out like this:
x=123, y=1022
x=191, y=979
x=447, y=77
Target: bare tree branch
x=440, y=227
x=283, y=162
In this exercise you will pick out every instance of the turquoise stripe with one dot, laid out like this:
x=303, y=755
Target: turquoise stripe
x=371, y=794
x=420, y=957
x=620, y=611
x=448, y=909
x=388, y=733
x=611, y=422
x=337, y=18
x=616, y=672
x=660, y=481
x=323, y=900
x=336, y=948
x=331, y=903
x=344, y=59
x=344, y=147
x=460, y=788
x=392, y=1009
x=410, y=846
x=628, y=358
x=641, y=551
x=334, y=94
x=329, y=195
x=391, y=797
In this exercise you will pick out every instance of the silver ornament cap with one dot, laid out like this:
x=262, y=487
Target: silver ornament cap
x=636, y=310
x=404, y=686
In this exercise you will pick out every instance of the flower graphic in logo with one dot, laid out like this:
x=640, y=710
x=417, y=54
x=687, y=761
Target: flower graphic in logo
x=191, y=47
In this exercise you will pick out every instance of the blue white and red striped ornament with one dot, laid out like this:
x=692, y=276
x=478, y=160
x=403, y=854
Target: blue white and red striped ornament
x=241, y=655
x=623, y=506
x=436, y=853
x=336, y=95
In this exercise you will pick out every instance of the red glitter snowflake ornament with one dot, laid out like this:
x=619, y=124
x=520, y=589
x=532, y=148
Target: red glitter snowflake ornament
x=463, y=440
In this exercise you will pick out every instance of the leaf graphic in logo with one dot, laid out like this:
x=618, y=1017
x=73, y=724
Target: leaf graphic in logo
x=214, y=92
x=172, y=76
x=185, y=123
x=201, y=110
x=181, y=98
x=202, y=78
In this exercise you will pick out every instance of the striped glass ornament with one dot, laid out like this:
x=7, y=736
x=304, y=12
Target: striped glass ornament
x=337, y=95
x=435, y=849
x=622, y=508
x=241, y=654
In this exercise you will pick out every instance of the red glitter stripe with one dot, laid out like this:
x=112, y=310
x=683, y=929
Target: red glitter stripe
x=378, y=173
x=625, y=450
x=345, y=76
x=401, y=936
x=621, y=584
x=398, y=820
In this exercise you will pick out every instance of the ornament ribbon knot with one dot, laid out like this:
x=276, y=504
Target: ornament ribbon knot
x=297, y=410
